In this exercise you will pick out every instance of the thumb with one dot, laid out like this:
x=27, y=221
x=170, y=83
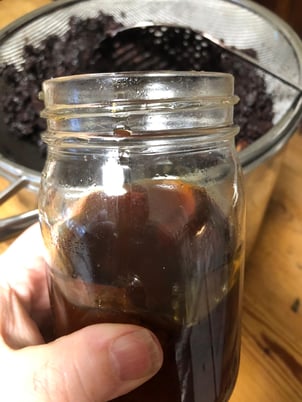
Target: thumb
x=97, y=363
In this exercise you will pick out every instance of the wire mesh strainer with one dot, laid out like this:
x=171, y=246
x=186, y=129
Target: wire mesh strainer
x=240, y=24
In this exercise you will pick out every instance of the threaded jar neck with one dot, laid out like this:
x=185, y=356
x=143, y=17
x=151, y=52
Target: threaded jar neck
x=138, y=104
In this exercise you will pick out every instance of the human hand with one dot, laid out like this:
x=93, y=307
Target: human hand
x=97, y=363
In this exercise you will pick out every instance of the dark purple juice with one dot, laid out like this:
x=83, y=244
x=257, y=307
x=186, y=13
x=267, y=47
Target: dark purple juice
x=161, y=255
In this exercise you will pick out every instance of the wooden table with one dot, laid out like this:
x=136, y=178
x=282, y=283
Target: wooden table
x=271, y=361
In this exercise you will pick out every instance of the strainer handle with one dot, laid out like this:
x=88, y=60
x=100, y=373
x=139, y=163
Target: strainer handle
x=15, y=224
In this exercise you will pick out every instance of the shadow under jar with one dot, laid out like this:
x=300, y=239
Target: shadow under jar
x=142, y=214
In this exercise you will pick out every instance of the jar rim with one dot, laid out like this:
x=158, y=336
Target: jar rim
x=137, y=86
x=151, y=73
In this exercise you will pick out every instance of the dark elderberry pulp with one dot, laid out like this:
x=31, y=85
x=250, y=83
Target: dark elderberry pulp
x=164, y=256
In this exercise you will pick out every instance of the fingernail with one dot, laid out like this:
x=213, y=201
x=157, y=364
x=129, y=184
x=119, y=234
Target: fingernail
x=136, y=355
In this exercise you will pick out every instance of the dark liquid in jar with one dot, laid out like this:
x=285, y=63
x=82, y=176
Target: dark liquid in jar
x=161, y=255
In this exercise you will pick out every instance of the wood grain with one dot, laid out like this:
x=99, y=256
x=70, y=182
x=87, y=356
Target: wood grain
x=271, y=359
x=271, y=364
x=13, y=9
x=289, y=10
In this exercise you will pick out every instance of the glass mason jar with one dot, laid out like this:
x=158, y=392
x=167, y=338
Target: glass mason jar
x=142, y=214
